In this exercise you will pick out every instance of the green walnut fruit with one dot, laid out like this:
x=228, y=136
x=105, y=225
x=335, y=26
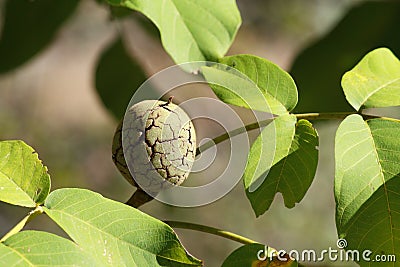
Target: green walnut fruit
x=159, y=145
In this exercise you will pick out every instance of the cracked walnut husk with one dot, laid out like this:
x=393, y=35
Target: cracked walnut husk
x=159, y=145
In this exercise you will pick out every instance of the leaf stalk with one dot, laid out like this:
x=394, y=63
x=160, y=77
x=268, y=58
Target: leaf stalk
x=211, y=230
x=263, y=123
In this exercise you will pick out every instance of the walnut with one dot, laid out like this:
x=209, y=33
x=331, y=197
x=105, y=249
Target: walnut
x=160, y=145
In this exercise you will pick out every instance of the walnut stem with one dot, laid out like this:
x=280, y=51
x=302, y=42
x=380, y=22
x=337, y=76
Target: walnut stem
x=138, y=198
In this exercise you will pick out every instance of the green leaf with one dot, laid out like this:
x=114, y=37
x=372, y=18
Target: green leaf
x=115, y=234
x=374, y=82
x=29, y=26
x=367, y=183
x=319, y=68
x=254, y=255
x=185, y=26
x=236, y=88
x=269, y=78
x=24, y=180
x=19, y=226
x=289, y=168
x=117, y=78
x=34, y=248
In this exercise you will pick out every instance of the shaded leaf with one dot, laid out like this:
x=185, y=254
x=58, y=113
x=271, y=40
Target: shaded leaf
x=29, y=26
x=24, y=180
x=117, y=78
x=114, y=233
x=319, y=68
x=367, y=183
x=268, y=149
x=374, y=82
x=34, y=248
x=188, y=37
x=283, y=159
x=118, y=12
x=253, y=255
x=269, y=78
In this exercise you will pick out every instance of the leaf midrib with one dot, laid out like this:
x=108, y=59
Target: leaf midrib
x=381, y=172
x=384, y=184
x=21, y=255
x=178, y=14
x=376, y=90
x=33, y=203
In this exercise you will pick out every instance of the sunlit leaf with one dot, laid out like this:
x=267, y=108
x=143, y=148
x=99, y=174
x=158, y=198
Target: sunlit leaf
x=34, y=248
x=24, y=180
x=19, y=226
x=113, y=233
x=288, y=166
x=269, y=78
x=374, y=82
x=185, y=26
x=236, y=88
x=367, y=183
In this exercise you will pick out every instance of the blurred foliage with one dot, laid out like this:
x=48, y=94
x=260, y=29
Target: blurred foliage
x=29, y=27
x=117, y=72
x=318, y=69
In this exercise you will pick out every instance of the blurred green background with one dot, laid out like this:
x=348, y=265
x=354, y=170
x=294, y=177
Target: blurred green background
x=51, y=102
